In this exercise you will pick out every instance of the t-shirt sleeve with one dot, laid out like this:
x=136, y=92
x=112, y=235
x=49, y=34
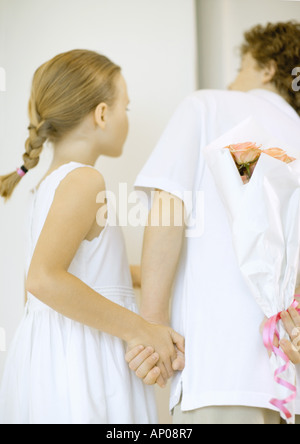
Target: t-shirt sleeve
x=174, y=163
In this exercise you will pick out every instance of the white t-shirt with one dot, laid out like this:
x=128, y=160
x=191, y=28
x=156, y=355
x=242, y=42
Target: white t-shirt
x=226, y=362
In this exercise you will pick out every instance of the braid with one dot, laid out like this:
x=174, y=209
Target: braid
x=34, y=144
x=33, y=148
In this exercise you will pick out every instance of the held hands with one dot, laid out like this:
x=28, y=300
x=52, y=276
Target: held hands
x=143, y=361
x=162, y=354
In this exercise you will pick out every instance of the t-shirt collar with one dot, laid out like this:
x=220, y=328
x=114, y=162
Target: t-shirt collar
x=277, y=100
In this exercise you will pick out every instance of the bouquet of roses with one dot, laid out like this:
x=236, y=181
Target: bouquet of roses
x=246, y=156
x=261, y=193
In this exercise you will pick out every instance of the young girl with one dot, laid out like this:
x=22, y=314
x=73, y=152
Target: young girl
x=66, y=364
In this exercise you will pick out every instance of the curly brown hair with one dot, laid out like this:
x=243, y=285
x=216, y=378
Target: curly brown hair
x=279, y=42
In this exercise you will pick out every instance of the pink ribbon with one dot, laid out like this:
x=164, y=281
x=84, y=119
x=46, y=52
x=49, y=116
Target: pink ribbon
x=269, y=333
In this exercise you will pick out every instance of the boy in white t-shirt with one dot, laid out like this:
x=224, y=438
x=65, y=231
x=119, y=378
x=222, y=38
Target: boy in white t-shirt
x=227, y=377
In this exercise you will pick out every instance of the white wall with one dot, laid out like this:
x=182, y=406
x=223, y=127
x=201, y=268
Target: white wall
x=222, y=24
x=153, y=40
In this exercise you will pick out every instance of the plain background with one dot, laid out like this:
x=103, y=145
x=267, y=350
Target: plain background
x=167, y=49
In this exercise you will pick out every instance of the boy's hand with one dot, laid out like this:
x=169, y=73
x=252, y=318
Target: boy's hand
x=291, y=322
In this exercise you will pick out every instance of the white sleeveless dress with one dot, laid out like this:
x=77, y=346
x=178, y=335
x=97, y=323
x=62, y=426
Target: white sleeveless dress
x=59, y=371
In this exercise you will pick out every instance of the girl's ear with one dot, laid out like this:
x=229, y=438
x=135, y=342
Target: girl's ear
x=100, y=115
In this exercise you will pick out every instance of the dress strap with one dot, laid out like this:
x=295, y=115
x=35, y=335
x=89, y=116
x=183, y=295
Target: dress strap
x=43, y=198
x=57, y=176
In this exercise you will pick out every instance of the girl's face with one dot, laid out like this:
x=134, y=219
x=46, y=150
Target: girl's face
x=117, y=120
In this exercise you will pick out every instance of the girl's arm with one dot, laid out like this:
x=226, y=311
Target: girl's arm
x=70, y=220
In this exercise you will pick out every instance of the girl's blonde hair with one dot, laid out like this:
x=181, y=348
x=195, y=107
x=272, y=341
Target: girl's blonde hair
x=64, y=91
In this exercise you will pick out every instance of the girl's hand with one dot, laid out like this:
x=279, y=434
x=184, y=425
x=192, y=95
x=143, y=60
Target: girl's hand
x=143, y=362
x=165, y=342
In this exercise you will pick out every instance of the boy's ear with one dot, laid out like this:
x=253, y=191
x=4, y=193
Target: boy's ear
x=100, y=115
x=269, y=71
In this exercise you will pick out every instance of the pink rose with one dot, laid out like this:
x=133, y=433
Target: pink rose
x=279, y=154
x=245, y=153
x=246, y=156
